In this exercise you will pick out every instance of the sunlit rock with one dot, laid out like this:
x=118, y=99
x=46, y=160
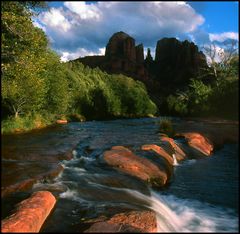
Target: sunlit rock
x=126, y=161
x=198, y=142
x=30, y=214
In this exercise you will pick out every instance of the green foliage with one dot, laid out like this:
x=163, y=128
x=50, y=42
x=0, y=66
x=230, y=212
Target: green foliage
x=23, y=60
x=198, y=95
x=26, y=123
x=56, y=90
x=193, y=101
x=98, y=95
x=178, y=104
x=199, y=99
x=166, y=127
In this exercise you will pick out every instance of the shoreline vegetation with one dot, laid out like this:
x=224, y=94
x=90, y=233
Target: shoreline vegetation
x=35, y=122
x=38, y=89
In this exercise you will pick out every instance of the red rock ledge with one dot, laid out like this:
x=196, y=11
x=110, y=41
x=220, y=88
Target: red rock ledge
x=31, y=213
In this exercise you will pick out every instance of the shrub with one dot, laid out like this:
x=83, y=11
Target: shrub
x=166, y=127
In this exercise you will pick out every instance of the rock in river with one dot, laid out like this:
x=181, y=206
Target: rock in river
x=126, y=161
x=198, y=142
x=31, y=213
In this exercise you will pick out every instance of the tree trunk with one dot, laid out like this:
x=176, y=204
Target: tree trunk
x=16, y=114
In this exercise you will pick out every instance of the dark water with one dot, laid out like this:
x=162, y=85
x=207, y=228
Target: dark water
x=203, y=195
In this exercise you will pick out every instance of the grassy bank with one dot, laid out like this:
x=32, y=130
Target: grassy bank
x=26, y=123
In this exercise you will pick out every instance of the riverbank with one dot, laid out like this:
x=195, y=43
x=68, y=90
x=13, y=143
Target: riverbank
x=35, y=122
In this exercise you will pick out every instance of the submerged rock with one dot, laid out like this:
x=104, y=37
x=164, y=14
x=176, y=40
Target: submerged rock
x=28, y=183
x=126, y=161
x=133, y=221
x=30, y=214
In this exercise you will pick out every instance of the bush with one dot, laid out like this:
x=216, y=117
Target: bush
x=166, y=127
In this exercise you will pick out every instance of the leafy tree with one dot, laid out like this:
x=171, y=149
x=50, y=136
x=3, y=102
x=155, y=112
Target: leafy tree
x=57, y=91
x=22, y=62
x=198, y=95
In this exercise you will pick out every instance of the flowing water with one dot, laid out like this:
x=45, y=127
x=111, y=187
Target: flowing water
x=202, y=196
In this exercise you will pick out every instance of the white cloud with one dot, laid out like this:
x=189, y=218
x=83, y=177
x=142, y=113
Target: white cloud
x=85, y=11
x=221, y=37
x=80, y=52
x=89, y=26
x=56, y=20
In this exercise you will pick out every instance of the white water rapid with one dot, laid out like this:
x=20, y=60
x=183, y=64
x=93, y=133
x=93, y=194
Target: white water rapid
x=175, y=163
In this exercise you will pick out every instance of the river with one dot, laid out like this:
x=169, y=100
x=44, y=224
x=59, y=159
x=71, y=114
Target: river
x=202, y=196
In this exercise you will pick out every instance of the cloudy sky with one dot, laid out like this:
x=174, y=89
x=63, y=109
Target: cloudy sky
x=76, y=29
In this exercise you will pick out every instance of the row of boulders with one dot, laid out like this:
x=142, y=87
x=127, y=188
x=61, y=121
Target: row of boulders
x=31, y=213
x=156, y=173
x=146, y=169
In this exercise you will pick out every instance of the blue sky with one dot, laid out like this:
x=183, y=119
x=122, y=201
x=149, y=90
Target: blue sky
x=77, y=29
x=220, y=16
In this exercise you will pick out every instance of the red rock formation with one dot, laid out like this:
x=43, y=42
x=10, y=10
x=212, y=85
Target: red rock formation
x=139, y=54
x=199, y=142
x=127, y=162
x=31, y=213
x=133, y=221
x=121, y=56
x=177, y=62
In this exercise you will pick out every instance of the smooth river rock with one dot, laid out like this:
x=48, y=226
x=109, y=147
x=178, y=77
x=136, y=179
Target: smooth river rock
x=126, y=161
x=30, y=213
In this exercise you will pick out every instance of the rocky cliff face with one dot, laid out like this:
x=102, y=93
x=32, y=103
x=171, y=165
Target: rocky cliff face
x=121, y=56
x=177, y=62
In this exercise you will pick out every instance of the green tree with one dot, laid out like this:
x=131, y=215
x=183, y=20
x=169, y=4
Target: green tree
x=57, y=89
x=23, y=47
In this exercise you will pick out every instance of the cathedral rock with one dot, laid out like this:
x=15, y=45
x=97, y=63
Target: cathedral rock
x=174, y=65
x=121, y=56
